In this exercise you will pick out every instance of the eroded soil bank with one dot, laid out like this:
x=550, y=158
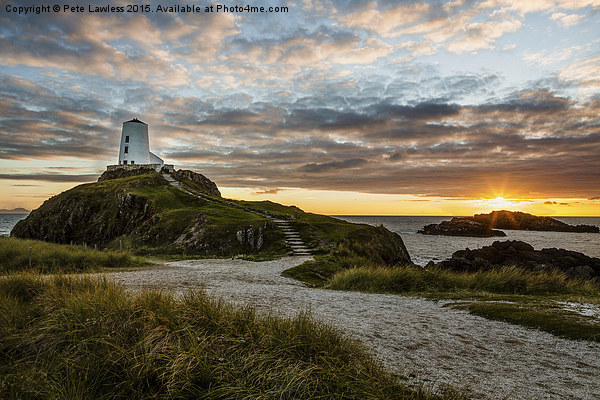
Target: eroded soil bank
x=413, y=337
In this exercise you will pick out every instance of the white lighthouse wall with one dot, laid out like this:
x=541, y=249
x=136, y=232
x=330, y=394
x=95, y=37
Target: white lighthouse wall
x=154, y=159
x=138, y=148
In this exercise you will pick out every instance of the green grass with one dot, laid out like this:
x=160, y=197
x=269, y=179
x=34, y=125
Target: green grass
x=79, y=338
x=317, y=231
x=509, y=280
x=364, y=246
x=510, y=294
x=322, y=268
x=180, y=214
x=545, y=317
x=53, y=258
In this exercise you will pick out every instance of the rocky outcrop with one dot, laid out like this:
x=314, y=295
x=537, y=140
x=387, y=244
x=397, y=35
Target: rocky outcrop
x=252, y=237
x=487, y=225
x=140, y=209
x=521, y=254
x=522, y=221
x=459, y=226
x=77, y=216
x=198, y=180
x=124, y=173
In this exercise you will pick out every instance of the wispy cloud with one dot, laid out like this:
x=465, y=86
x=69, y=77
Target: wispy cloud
x=375, y=96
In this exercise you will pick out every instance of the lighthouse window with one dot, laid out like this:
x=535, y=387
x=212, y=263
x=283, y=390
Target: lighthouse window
x=126, y=149
x=133, y=162
x=126, y=139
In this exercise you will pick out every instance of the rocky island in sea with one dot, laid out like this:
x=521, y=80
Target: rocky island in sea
x=488, y=225
x=520, y=254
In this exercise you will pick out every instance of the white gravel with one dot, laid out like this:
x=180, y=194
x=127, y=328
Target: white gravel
x=413, y=337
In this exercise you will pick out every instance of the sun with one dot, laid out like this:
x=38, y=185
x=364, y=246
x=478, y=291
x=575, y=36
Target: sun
x=499, y=203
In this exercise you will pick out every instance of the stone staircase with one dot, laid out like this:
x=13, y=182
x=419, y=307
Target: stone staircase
x=292, y=237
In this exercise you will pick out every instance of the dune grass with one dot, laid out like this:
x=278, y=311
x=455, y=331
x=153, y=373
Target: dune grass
x=508, y=280
x=53, y=258
x=510, y=294
x=542, y=316
x=75, y=337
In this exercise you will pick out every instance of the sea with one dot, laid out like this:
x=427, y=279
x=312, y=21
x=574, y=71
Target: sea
x=425, y=248
x=8, y=221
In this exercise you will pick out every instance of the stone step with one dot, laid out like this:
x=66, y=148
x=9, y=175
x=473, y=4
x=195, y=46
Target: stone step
x=292, y=238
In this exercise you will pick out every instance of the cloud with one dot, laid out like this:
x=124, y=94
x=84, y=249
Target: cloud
x=337, y=95
x=483, y=35
x=585, y=73
x=47, y=177
x=268, y=191
x=333, y=165
x=567, y=20
x=556, y=203
x=386, y=22
x=55, y=125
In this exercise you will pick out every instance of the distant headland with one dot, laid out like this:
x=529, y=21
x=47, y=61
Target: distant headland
x=14, y=211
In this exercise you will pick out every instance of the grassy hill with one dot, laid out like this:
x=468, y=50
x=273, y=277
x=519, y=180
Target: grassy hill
x=141, y=211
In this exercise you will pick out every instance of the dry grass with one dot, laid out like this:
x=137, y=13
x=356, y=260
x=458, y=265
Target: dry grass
x=76, y=338
x=509, y=280
x=53, y=258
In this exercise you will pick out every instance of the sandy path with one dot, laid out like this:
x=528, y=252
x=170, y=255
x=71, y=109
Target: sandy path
x=412, y=336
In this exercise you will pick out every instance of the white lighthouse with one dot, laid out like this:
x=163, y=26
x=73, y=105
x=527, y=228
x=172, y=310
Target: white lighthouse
x=135, y=146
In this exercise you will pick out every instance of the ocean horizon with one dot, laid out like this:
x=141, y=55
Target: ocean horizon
x=425, y=248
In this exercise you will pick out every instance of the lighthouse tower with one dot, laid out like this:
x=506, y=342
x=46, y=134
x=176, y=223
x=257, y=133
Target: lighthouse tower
x=135, y=147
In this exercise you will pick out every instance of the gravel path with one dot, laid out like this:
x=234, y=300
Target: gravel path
x=413, y=337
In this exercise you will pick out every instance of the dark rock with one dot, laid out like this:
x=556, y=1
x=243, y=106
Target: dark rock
x=486, y=225
x=78, y=216
x=521, y=254
x=517, y=220
x=460, y=226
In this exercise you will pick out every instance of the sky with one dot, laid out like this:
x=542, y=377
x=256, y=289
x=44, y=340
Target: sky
x=336, y=106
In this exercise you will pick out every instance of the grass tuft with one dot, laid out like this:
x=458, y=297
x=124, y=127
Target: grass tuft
x=509, y=294
x=558, y=322
x=508, y=280
x=57, y=258
x=78, y=337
